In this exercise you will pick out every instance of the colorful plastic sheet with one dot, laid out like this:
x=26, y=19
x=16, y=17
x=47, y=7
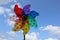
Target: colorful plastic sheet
x=26, y=18
x=17, y=26
x=32, y=21
x=18, y=11
x=33, y=14
x=26, y=28
x=26, y=8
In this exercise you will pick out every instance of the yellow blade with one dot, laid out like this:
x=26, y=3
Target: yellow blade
x=26, y=28
x=17, y=26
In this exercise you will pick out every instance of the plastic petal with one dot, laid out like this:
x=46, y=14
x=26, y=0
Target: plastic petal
x=32, y=21
x=33, y=14
x=26, y=8
x=18, y=11
x=26, y=28
x=17, y=26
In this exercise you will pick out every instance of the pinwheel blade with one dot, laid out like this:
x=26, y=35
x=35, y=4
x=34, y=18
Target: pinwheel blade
x=18, y=11
x=26, y=8
x=26, y=28
x=17, y=26
x=33, y=14
x=32, y=21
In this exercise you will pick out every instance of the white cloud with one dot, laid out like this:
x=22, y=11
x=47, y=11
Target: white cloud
x=51, y=39
x=4, y=38
x=8, y=10
x=5, y=1
x=41, y=28
x=15, y=0
x=11, y=39
x=32, y=36
x=12, y=33
x=12, y=6
x=10, y=22
x=3, y=10
x=52, y=29
x=11, y=19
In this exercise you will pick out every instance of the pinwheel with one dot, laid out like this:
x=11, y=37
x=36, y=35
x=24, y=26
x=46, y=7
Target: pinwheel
x=26, y=18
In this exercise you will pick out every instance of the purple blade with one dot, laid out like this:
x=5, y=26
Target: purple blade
x=26, y=8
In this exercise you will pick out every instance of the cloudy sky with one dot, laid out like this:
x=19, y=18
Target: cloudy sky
x=48, y=20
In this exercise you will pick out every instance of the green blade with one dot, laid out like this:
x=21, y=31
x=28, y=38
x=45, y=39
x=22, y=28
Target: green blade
x=32, y=21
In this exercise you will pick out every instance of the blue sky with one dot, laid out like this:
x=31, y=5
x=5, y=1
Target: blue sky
x=48, y=20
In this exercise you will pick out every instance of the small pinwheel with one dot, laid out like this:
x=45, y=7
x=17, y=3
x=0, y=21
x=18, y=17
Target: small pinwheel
x=26, y=18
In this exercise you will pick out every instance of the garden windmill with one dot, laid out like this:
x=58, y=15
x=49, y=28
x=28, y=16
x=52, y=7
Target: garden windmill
x=25, y=19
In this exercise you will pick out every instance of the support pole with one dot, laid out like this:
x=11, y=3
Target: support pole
x=24, y=37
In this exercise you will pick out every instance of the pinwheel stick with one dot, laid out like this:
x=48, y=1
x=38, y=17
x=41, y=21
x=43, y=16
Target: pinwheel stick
x=24, y=37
